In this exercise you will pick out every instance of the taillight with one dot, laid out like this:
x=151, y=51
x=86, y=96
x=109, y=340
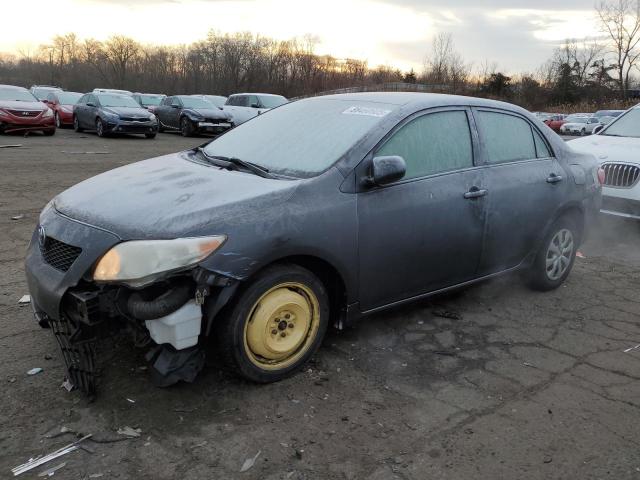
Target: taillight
x=601, y=175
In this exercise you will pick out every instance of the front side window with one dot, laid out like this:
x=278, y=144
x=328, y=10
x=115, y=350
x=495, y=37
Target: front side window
x=175, y=102
x=507, y=138
x=272, y=101
x=433, y=143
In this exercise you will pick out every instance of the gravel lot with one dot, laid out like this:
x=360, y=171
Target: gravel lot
x=520, y=385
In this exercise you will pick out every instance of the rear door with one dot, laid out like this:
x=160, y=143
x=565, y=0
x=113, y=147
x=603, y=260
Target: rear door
x=421, y=234
x=526, y=185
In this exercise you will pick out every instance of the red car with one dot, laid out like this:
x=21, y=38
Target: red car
x=62, y=105
x=555, y=122
x=21, y=111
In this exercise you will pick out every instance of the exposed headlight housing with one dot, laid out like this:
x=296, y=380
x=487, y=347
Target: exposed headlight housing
x=139, y=262
x=152, y=118
x=47, y=113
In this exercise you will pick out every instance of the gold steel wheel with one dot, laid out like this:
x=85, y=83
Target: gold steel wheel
x=281, y=326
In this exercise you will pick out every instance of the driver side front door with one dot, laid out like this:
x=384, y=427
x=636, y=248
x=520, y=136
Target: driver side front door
x=424, y=232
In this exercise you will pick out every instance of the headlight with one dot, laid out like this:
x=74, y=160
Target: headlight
x=48, y=113
x=111, y=116
x=152, y=118
x=139, y=261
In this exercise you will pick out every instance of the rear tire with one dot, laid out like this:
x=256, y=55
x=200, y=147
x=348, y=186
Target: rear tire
x=76, y=125
x=557, y=254
x=186, y=127
x=274, y=325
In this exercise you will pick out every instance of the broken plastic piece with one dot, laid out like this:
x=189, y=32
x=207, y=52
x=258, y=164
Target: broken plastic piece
x=25, y=299
x=249, y=462
x=129, y=432
x=34, y=371
x=51, y=471
x=169, y=365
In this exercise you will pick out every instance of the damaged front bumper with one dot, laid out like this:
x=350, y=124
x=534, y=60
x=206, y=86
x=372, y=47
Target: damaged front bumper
x=171, y=317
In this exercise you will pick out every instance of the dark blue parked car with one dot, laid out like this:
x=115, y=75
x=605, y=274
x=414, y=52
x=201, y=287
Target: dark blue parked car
x=113, y=113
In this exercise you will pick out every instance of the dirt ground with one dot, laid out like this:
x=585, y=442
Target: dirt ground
x=521, y=385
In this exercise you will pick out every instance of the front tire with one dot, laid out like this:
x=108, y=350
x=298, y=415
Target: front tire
x=76, y=125
x=57, y=119
x=556, y=256
x=100, y=128
x=274, y=325
x=186, y=127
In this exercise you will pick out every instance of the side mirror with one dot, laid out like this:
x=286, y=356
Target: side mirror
x=598, y=129
x=255, y=105
x=386, y=170
x=91, y=104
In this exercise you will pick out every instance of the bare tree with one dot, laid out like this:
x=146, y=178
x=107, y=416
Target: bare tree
x=620, y=19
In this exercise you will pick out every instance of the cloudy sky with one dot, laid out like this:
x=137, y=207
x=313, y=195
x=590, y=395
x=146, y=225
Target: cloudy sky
x=518, y=35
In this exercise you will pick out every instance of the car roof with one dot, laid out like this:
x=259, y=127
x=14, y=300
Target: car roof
x=14, y=87
x=256, y=93
x=154, y=94
x=422, y=100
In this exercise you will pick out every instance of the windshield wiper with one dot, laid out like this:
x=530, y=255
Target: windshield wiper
x=236, y=162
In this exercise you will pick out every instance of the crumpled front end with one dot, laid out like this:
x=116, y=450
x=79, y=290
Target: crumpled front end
x=169, y=316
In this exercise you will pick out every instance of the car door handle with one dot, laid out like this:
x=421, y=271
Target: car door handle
x=475, y=192
x=554, y=178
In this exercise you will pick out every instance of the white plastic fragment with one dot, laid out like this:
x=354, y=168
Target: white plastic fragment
x=632, y=348
x=67, y=385
x=129, y=432
x=34, y=371
x=250, y=462
x=25, y=299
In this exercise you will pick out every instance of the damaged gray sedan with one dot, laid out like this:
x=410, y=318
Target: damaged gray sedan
x=316, y=213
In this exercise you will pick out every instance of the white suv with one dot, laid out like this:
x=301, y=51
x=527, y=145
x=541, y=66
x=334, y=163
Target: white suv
x=617, y=147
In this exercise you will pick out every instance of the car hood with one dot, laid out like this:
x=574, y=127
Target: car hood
x=128, y=111
x=13, y=105
x=574, y=125
x=609, y=149
x=170, y=197
x=214, y=113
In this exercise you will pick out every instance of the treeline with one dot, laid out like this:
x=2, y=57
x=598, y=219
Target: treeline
x=591, y=72
x=221, y=64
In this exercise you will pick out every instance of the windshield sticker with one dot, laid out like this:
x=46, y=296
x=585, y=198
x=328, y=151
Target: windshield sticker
x=367, y=111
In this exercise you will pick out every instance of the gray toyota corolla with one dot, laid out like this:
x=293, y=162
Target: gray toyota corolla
x=319, y=212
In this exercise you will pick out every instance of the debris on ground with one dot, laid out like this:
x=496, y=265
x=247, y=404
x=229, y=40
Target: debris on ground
x=36, y=462
x=129, y=432
x=63, y=430
x=447, y=314
x=85, y=153
x=579, y=254
x=15, y=145
x=67, y=385
x=299, y=454
x=24, y=299
x=249, y=462
x=51, y=471
x=632, y=348
x=18, y=217
x=527, y=364
x=34, y=371
x=447, y=353
x=131, y=400
x=11, y=379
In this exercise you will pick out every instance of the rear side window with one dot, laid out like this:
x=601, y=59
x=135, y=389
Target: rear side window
x=434, y=143
x=508, y=138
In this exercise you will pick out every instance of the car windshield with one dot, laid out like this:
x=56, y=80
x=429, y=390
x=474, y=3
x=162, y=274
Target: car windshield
x=68, y=98
x=116, y=100
x=195, y=102
x=151, y=99
x=272, y=101
x=16, y=94
x=627, y=125
x=42, y=93
x=302, y=138
x=216, y=100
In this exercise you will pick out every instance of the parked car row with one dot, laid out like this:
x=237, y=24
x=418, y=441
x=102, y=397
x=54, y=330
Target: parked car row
x=578, y=123
x=110, y=111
